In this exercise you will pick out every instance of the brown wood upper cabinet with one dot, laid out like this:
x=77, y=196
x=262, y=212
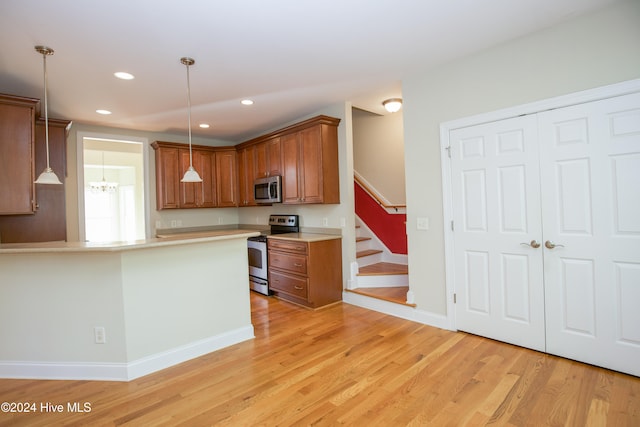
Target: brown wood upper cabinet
x=310, y=165
x=17, y=159
x=305, y=154
x=267, y=158
x=226, y=178
x=48, y=222
x=216, y=166
x=246, y=175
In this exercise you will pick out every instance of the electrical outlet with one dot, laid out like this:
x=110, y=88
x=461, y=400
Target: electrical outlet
x=158, y=224
x=220, y=221
x=174, y=223
x=343, y=222
x=100, y=335
x=325, y=222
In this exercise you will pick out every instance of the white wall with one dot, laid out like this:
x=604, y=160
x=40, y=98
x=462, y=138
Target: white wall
x=590, y=51
x=378, y=153
x=50, y=303
x=203, y=296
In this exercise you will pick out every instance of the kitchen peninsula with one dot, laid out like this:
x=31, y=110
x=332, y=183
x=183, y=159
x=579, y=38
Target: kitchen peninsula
x=119, y=311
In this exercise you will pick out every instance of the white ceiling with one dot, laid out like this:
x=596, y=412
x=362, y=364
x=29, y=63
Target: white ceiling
x=292, y=57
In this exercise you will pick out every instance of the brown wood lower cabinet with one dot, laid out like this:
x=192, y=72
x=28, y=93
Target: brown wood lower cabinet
x=306, y=272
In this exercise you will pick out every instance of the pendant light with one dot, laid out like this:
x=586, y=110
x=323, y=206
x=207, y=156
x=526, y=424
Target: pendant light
x=47, y=176
x=190, y=175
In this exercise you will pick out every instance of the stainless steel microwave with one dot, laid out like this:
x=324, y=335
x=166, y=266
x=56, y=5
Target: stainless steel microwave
x=268, y=190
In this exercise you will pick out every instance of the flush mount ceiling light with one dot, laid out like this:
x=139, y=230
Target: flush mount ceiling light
x=204, y=125
x=47, y=176
x=246, y=102
x=190, y=175
x=124, y=75
x=392, y=105
x=103, y=112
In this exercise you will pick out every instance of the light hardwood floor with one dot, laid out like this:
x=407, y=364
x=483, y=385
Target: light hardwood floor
x=344, y=365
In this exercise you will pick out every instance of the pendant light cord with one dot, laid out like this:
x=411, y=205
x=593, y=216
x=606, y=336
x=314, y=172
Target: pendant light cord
x=103, y=166
x=189, y=114
x=46, y=111
x=191, y=175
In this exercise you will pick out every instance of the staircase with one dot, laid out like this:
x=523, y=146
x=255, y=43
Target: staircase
x=378, y=273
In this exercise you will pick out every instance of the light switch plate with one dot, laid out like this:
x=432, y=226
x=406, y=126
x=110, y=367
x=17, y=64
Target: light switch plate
x=423, y=223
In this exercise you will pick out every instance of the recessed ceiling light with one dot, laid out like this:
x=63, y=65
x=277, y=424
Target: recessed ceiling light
x=246, y=102
x=204, y=125
x=124, y=76
x=104, y=112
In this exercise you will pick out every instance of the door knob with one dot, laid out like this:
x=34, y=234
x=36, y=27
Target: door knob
x=550, y=245
x=534, y=244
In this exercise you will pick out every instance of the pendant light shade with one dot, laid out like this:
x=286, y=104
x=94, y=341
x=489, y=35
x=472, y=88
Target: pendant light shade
x=190, y=175
x=48, y=176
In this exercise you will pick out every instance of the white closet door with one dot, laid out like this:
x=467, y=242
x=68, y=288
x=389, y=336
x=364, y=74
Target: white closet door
x=590, y=179
x=496, y=205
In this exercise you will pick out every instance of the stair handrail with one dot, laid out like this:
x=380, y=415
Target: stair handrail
x=375, y=196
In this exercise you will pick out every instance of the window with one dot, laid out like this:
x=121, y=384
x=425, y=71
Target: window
x=113, y=205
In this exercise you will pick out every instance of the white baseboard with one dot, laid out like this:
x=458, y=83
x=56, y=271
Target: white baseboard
x=123, y=371
x=159, y=361
x=396, y=310
x=64, y=371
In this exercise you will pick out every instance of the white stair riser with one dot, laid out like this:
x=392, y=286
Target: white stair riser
x=383, y=281
x=364, y=245
x=369, y=259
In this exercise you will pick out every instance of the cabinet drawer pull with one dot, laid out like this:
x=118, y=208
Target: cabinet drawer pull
x=298, y=287
x=297, y=265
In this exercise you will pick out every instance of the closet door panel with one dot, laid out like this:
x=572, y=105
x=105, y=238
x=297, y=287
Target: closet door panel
x=496, y=204
x=590, y=161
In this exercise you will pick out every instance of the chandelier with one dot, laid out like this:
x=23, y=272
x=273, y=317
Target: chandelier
x=103, y=186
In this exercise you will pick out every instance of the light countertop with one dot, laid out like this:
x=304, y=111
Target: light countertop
x=304, y=237
x=162, y=240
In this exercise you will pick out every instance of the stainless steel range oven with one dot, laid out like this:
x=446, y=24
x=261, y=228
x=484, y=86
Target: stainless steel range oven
x=257, y=247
